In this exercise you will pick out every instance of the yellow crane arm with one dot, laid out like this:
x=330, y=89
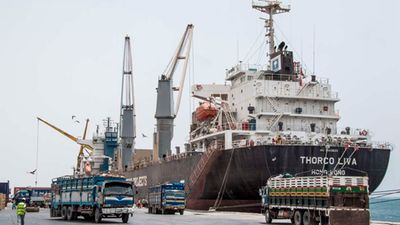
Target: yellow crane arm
x=79, y=158
x=71, y=137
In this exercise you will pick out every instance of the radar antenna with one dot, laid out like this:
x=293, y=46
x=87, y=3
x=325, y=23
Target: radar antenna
x=270, y=7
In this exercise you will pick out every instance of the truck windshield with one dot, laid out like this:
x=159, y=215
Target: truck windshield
x=23, y=194
x=174, y=194
x=118, y=189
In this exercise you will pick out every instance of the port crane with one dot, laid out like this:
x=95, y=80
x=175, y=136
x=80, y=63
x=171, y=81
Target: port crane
x=83, y=145
x=165, y=110
x=127, y=111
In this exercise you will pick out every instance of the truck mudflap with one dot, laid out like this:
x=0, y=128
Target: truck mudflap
x=116, y=210
x=349, y=217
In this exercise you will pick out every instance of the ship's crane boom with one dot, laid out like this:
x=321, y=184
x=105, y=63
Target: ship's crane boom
x=165, y=110
x=71, y=137
x=80, y=154
x=127, y=112
x=182, y=53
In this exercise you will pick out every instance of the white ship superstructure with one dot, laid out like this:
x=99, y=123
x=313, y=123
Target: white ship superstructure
x=272, y=104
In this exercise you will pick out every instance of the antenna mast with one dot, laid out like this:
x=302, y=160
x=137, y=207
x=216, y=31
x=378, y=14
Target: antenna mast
x=270, y=7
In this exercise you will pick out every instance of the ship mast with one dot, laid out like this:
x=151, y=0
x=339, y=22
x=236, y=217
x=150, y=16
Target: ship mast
x=271, y=8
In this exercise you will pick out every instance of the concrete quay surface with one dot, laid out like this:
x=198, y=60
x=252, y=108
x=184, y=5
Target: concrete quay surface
x=8, y=217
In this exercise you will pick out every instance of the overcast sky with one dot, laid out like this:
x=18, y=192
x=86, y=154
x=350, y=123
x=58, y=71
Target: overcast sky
x=64, y=58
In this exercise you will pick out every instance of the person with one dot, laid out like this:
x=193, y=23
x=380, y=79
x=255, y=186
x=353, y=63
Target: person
x=21, y=210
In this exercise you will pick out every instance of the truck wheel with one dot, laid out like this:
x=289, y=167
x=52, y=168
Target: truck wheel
x=298, y=219
x=125, y=217
x=306, y=218
x=150, y=210
x=268, y=218
x=97, y=216
x=181, y=211
x=64, y=212
x=70, y=213
x=86, y=217
x=74, y=215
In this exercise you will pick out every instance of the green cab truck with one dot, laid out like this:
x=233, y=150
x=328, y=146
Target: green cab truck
x=311, y=200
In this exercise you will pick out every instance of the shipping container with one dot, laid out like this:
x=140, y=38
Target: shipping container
x=5, y=189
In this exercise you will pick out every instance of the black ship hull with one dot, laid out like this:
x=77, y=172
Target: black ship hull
x=231, y=178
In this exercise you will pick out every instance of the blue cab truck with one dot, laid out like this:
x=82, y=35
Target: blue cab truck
x=167, y=198
x=93, y=197
x=26, y=194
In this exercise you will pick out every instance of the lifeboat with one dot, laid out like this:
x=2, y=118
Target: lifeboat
x=205, y=111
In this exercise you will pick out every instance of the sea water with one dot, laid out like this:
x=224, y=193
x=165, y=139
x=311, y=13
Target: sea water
x=387, y=210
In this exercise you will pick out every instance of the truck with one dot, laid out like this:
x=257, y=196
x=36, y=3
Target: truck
x=27, y=195
x=35, y=196
x=311, y=200
x=167, y=198
x=92, y=197
x=23, y=194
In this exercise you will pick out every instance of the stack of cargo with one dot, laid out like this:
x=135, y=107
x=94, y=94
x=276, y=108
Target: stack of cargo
x=5, y=189
x=2, y=201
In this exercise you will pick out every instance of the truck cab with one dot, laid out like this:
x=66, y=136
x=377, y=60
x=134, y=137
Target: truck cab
x=23, y=194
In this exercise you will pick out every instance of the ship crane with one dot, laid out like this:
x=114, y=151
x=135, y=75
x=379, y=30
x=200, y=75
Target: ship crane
x=127, y=112
x=84, y=145
x=165, y=111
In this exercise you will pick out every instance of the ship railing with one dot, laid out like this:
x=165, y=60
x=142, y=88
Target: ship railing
x=241, y=67
x=259, y=126
x=382, y=145
x=354, y=131
x=149, y=162
x=248, y=142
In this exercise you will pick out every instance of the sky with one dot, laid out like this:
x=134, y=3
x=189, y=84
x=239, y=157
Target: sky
x=64, y=58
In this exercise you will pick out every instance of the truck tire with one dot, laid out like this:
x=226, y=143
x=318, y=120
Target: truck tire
x=97, y=215
x=125, y=217
x=87, y=217
x=268, y=218
x=307, y=218
x=70, y=213
x=64, y=212
x=150, y=210
x=181, y=211
x=298, y=218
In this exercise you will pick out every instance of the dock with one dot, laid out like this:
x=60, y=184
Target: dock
x=192, y=217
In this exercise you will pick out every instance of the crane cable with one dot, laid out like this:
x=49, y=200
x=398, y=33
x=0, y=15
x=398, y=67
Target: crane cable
x=221, y=192
x=37, y=152
x=383, y=201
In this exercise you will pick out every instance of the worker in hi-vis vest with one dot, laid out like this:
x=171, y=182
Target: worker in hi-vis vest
x=21, y=210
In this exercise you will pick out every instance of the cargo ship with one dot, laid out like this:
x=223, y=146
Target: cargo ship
x=264, y=121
